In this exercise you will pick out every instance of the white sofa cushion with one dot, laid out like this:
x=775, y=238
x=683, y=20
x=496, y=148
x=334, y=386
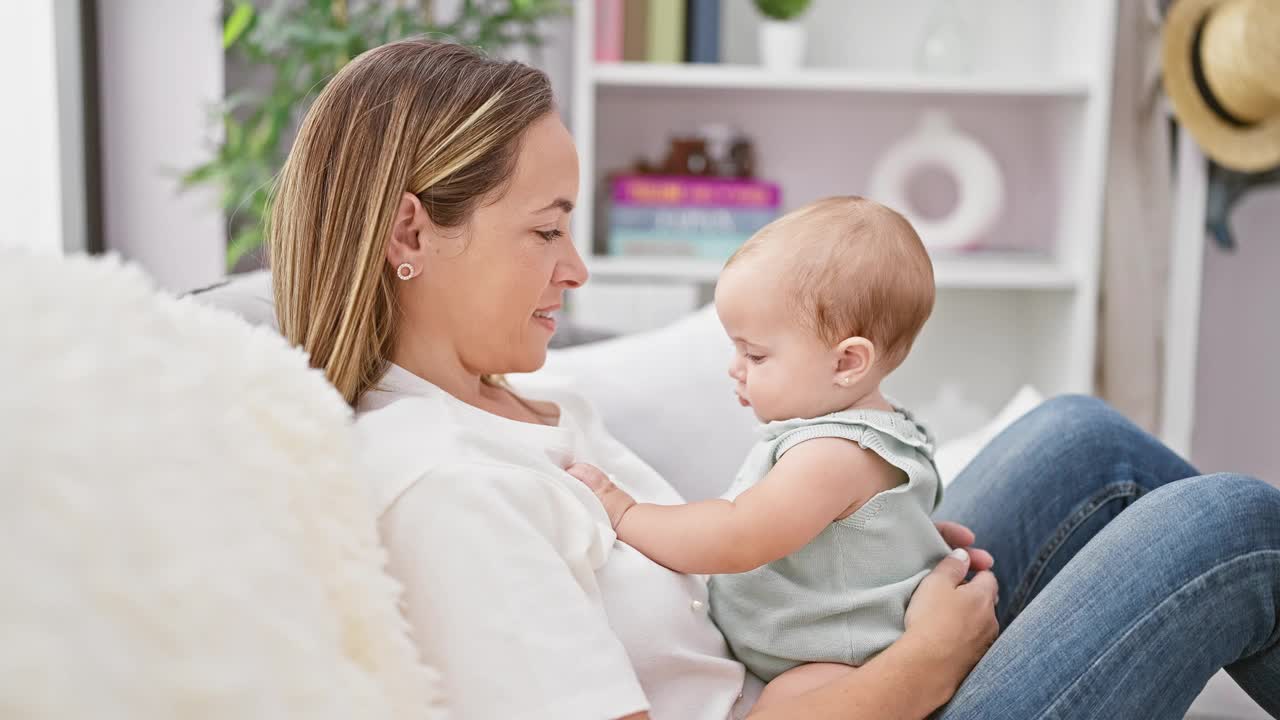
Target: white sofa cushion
x=248, y=295
x=183, y=525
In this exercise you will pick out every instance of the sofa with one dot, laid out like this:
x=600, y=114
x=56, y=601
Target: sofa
x=180, y=503
x=185, y=534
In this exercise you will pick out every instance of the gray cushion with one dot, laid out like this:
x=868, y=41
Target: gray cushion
x=248, y=295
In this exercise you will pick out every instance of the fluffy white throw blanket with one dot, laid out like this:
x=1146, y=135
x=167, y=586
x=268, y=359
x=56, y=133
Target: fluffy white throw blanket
x=182, y=534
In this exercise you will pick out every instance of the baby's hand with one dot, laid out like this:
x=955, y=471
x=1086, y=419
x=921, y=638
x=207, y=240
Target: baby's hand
x=615, y=501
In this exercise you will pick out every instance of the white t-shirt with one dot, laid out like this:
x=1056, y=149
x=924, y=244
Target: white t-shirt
x=516, y=587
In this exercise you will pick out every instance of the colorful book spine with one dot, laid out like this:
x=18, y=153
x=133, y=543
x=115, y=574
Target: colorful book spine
x=706, y=218
x=666, y=31
x=690, y=219
x=661, y=190
x=635, y=30
x=608, y=25
x=703, y=31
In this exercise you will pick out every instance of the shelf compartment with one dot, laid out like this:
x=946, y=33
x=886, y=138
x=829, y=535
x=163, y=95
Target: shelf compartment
x=993, y=271
x=750, y=77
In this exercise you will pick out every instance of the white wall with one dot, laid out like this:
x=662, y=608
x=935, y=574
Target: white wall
x=866, y=34
x=30, y=173
x=1237, y=413
x=161, y=68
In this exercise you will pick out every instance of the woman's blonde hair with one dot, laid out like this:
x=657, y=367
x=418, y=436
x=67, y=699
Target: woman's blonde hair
x=439, y=120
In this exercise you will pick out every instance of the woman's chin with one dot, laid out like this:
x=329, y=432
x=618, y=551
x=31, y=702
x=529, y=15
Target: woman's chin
x=531, y=360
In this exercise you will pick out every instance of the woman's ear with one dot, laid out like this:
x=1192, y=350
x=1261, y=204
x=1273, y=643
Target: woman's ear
x=855, y=357
x=408, y=241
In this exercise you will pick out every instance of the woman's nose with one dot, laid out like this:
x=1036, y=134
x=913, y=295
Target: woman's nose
x=572, y=271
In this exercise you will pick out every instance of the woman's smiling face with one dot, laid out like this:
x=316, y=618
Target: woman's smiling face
x=493, y=282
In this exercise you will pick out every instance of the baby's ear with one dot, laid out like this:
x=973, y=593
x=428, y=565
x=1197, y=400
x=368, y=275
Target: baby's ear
x=855, y=357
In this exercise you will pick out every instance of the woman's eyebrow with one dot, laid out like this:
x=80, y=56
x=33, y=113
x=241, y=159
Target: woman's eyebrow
x=563, y=204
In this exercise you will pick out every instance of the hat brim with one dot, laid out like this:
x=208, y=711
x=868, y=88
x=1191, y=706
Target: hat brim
x=1252, y=148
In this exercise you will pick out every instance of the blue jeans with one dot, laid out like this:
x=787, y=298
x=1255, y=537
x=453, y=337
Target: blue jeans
x=1126, y=580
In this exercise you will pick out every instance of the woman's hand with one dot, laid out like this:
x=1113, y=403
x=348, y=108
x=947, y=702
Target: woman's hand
x=950, y=624
x=616, y=502
x=957, y=536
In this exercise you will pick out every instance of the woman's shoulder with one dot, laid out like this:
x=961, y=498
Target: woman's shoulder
x=401, y=441
x=430, y=444
x=430, y=466
x=415, y=439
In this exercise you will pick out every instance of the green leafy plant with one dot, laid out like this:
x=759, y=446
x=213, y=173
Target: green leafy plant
x=300, y=45
x=782, y=9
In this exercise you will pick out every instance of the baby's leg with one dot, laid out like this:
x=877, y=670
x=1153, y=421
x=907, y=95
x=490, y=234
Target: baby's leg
x=800, y=680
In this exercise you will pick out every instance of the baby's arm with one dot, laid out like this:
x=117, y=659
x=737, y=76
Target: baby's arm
x=813, y=484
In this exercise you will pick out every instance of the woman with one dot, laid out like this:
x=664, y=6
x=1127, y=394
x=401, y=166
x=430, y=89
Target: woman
x=419, y=242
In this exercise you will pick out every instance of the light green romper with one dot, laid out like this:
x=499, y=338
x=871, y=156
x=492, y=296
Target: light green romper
x=842, y=597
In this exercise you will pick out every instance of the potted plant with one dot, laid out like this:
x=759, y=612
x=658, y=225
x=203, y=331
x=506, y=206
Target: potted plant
x=296, y=46
x=782, y=37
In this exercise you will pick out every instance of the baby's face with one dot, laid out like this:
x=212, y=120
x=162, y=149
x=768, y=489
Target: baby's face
x=780, y=368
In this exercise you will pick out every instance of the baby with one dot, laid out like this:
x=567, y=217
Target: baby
x=819, y=543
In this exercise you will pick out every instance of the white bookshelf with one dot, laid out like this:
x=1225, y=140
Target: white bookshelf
x=749, y=77
x=994, y=271
x=1038, y=98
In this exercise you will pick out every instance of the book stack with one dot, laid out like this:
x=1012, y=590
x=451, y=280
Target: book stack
x=657, y=31
x=693, y=217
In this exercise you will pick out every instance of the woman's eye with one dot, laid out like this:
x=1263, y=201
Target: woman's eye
x=549, y=235
x=755, y=359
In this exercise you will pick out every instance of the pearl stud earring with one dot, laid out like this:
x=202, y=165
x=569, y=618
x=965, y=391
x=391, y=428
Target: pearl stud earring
x=404, y=271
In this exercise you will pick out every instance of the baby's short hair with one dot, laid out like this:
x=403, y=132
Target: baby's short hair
x=851, y=268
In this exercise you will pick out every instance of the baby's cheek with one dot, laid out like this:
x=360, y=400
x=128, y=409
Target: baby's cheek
x=768, y=385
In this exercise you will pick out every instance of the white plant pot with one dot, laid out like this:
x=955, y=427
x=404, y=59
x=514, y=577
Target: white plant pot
x=781, y=44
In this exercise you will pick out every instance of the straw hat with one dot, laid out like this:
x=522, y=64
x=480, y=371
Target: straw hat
x=1222, y=72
